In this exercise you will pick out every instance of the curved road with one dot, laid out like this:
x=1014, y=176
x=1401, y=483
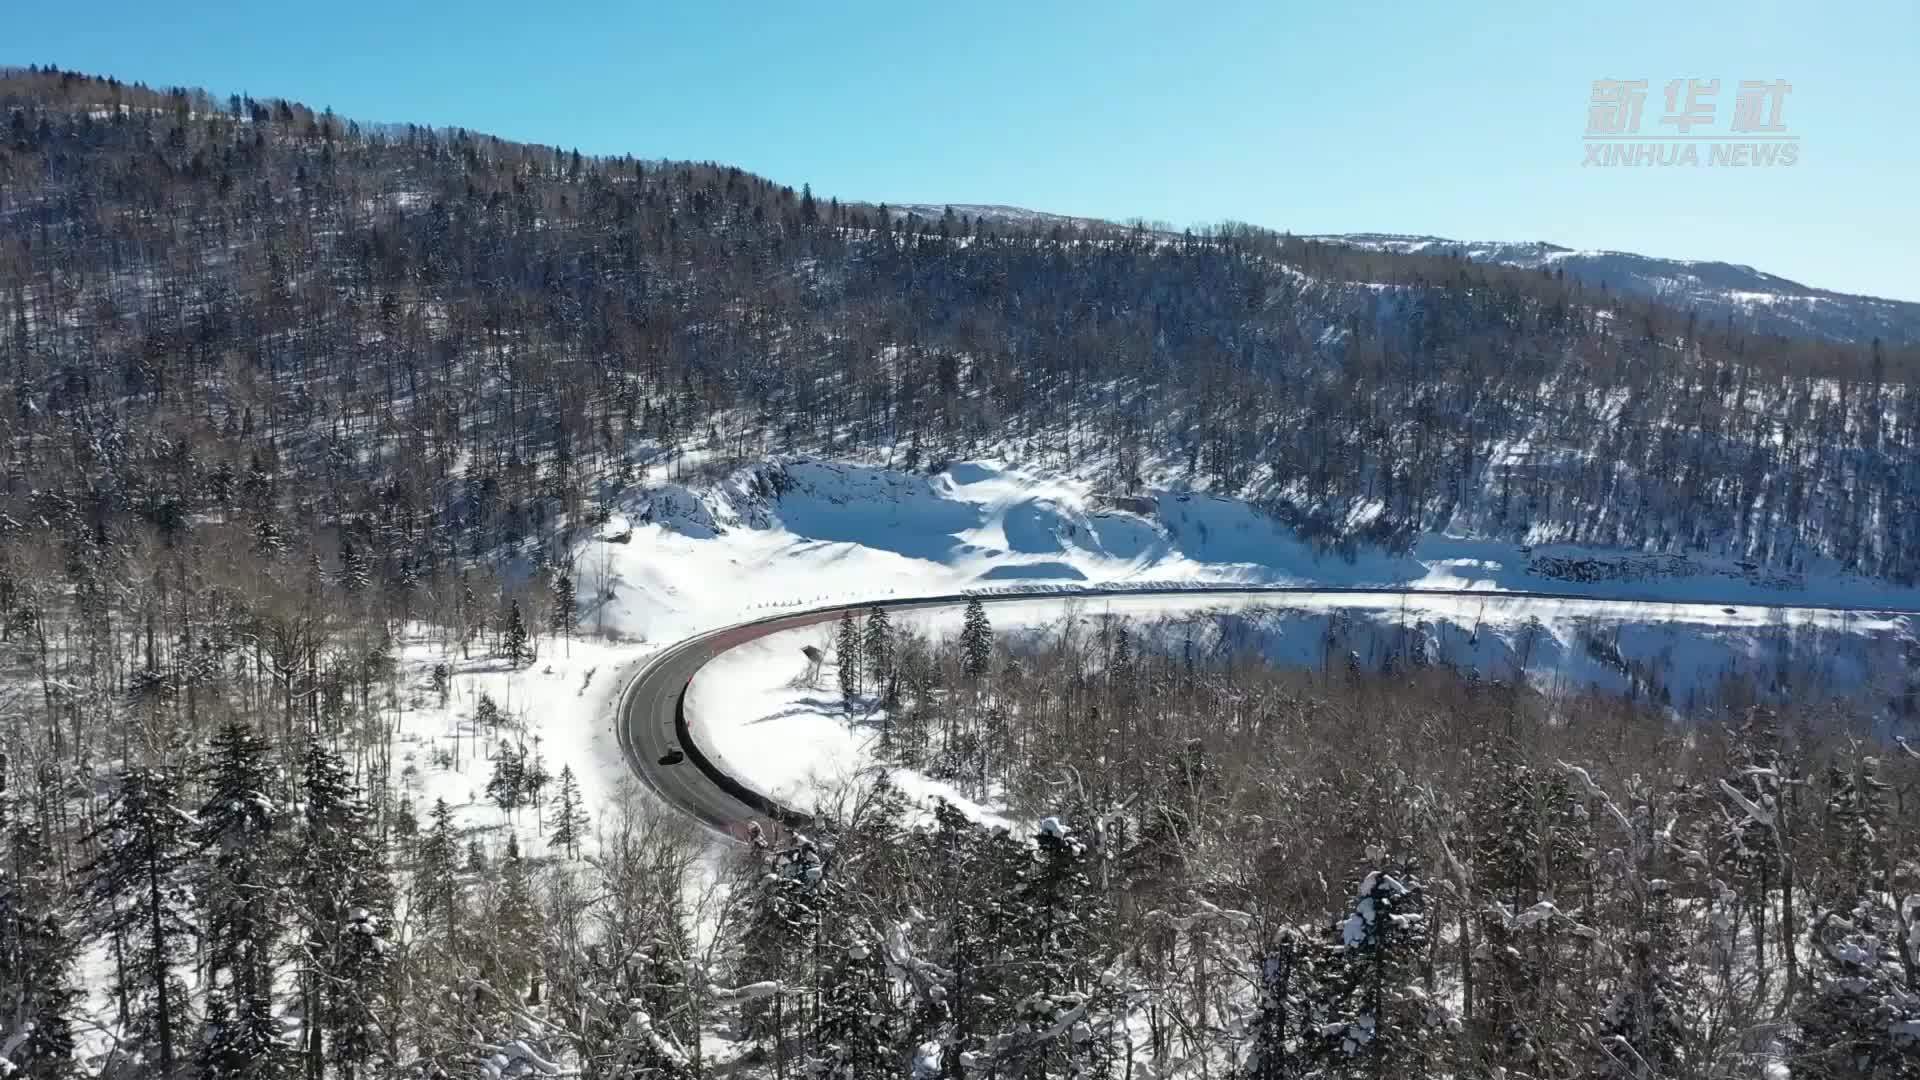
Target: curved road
x=653, y=721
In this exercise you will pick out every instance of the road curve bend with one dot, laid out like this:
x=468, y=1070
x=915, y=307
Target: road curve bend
x=651, y=717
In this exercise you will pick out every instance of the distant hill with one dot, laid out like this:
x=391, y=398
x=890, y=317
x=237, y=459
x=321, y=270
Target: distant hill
x=1767, y=303
x=1758, y=302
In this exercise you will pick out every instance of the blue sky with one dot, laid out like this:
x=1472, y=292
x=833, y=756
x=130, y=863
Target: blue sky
x=1315, y=118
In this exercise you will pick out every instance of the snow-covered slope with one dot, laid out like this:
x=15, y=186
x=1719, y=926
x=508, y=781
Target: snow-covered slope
x=803, y=532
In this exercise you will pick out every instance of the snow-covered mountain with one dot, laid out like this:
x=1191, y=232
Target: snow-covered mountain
x=1765, y=302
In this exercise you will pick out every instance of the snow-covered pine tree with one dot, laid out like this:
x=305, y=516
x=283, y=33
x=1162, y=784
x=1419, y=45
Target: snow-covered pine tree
x=241, y=1044
x=510, y=960
x=666, y=988
x=641, y=1051
x=1060, y=1025
x=1861, y=1020
x=859, y=1027
x=878, y=649
x=1280, y=1024
x=963, y=993
x=853, y=1038
x=1648, y=1027
x=779, y=938
x=436, y=882
x=487, y=714
x=516, y=636
x=1120, y=670
x=355, y=571
x=1856, y=820
x=37, y=997
x=1377, y=1018
x=1748, y=852
x=137, y=891
x=507, y=784
x=563, y=602
x=343, y=906
x=242, y=897
x=570, y=821
x=976, y=639
x=1529, y=845
x=846, y=653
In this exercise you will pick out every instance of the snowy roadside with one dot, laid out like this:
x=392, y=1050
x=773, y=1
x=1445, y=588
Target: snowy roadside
x=561, y=709
x=754, y=711
x=680, y=560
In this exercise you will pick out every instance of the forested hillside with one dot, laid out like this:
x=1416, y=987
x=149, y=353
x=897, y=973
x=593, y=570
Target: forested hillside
x=445, y=343
x=307, y=423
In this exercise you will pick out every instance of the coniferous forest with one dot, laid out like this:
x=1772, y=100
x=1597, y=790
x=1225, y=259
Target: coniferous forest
x=284, y=392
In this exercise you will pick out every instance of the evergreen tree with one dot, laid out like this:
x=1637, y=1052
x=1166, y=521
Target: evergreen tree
x=1059, y=1026
x=1748, y=851
x=569, y=817
x=511, y=958
x=1856, y=818
x=355, y=572
x=436, y=886
x=241, y=894
x=847, y=653
x=1281, y=1024
x=780, y=933
x=507, y=785
x=858, y=1024
x=1863, y=1020
x=243, y=1046
x=973, y=876
x=563, y=602
x=878, y=646
x=1120, y=672
x=1648, y=1026
x=344, y=901
x=1378, y=1017
x=37, y=998
x=976, y=639
x=137, y=891
x=487, y=714
x=1529, y=839
x=853, y=1034
x=516, y=636
x=642, y=1052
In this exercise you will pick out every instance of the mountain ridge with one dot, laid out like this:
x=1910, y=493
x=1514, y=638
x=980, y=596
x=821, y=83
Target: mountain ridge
x=1717, y=289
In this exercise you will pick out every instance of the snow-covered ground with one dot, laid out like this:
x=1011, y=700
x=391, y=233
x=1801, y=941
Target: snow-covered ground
x=804, y=533
x=753, y=712
x=561, y=708
x=683, y=558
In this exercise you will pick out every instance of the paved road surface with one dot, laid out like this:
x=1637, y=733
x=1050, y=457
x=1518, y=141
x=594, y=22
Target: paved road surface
x=653, y=715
